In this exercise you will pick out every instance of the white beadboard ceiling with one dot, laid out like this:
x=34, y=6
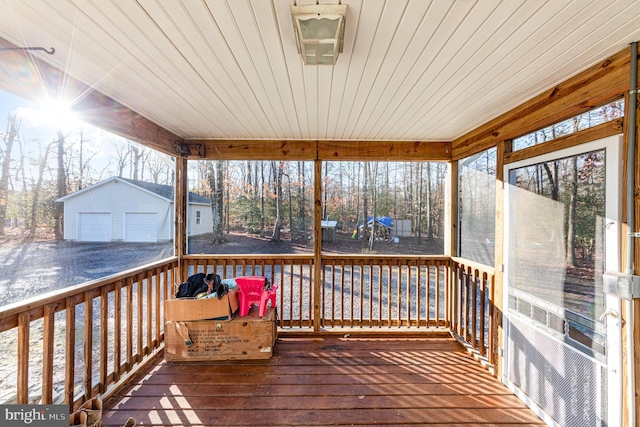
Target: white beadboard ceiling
x=429, y=70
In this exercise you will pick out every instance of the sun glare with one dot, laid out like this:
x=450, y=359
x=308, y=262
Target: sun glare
x=51, y=113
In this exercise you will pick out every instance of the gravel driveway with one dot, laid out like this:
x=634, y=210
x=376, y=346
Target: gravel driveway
x=36, y=268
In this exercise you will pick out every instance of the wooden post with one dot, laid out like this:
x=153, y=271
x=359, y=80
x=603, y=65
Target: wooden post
x=180, y=215
x=451, y=237
x=317, y=243
x=503, y=148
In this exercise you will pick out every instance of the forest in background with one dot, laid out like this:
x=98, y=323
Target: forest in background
x=272, y=199
x=275, y=198
x=40, y=164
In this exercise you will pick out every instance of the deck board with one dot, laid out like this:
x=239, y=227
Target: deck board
x=325, y=381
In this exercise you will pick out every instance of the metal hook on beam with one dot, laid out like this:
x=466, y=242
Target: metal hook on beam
x=50, y=51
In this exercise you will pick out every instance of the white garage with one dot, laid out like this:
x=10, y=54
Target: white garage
x=94, y=227
x=126, y=210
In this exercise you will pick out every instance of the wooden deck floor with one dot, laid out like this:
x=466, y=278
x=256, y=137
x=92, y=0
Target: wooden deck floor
x=325, y=381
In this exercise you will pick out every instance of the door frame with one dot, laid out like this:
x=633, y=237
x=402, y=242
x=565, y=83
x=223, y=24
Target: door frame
x=613, y=238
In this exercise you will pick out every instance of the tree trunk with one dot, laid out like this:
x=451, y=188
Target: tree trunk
x=217, y=204
x=429, y=203
x=278, y=225
x=33, y=223
x=571, y=226
x=61, y=188
x=13, y=126
x=365, y=213
x=301, y=201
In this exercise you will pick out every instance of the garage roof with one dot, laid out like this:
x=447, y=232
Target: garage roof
x=164, y=191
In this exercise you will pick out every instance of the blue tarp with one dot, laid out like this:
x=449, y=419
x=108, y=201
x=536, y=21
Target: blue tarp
x=384, y=220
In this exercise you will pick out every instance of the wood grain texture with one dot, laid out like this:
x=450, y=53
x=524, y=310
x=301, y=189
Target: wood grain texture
x=321, y=380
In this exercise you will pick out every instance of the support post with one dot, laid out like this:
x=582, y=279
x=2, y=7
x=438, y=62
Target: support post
x=317, y=243
x=180, y=215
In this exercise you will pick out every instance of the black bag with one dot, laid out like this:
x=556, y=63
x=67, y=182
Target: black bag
x=196, y=284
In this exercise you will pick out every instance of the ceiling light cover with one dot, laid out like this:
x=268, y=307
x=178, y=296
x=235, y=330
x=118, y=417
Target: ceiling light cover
x=319, y=32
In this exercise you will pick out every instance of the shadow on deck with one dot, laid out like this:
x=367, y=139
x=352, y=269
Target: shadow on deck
x=362, y=380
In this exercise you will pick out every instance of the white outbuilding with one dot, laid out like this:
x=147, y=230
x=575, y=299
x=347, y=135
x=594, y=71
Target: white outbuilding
x=121, y=209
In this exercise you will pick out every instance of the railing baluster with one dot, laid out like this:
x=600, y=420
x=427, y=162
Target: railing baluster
x=474, y=309
x=129, y=325
x=483, y=351
x=149, y=306
x=380, y=282
x=389, y=301
x=361, y=317
x=341, y=293
x=437, y=295
x=104, y=338
x=70, y=351
x=24, y=324
x=399, y=295
x=117, y=330
x=139, y=318
x=370, y=293
x=88, y=345
x=158, y=280
x=409, y=286
x=418, y=291
x=47, y=354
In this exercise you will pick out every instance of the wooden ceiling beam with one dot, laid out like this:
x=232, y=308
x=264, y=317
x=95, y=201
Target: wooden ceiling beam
x=324, y=150
x=31, y=78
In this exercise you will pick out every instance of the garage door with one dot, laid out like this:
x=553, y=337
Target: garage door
x=94, y=227
x=141, y=227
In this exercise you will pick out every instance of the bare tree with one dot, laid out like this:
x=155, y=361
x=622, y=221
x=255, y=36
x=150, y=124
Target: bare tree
x=37, y=189
x=61, y=188
x=571, y=220
x=13, y=126
x=217, y=201
x=278, y=184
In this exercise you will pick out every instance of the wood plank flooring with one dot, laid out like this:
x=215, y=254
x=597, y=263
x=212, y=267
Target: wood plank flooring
x=359, y=380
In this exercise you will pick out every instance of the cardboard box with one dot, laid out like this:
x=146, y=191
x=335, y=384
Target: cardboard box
x=243, y=338
x=183, y=309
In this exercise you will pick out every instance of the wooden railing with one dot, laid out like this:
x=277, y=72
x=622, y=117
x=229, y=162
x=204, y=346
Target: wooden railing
x=384, y=291
x=73, y=344
x=356, y=291
x=81, y=341
x=472, y=317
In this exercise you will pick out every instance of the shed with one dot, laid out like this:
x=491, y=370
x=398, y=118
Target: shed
x=121, y=209
x=328, y=230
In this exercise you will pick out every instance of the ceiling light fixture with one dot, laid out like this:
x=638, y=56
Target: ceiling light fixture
x=319, y=32
x=185, y=150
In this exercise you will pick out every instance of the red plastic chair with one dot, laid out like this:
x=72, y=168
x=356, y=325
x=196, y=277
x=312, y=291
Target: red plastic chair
x=251, y=291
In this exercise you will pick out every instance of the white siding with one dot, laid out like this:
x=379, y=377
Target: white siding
x=206, y=220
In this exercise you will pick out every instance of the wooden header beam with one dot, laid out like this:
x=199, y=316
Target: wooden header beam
x=324, y=150
x=31, y=78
